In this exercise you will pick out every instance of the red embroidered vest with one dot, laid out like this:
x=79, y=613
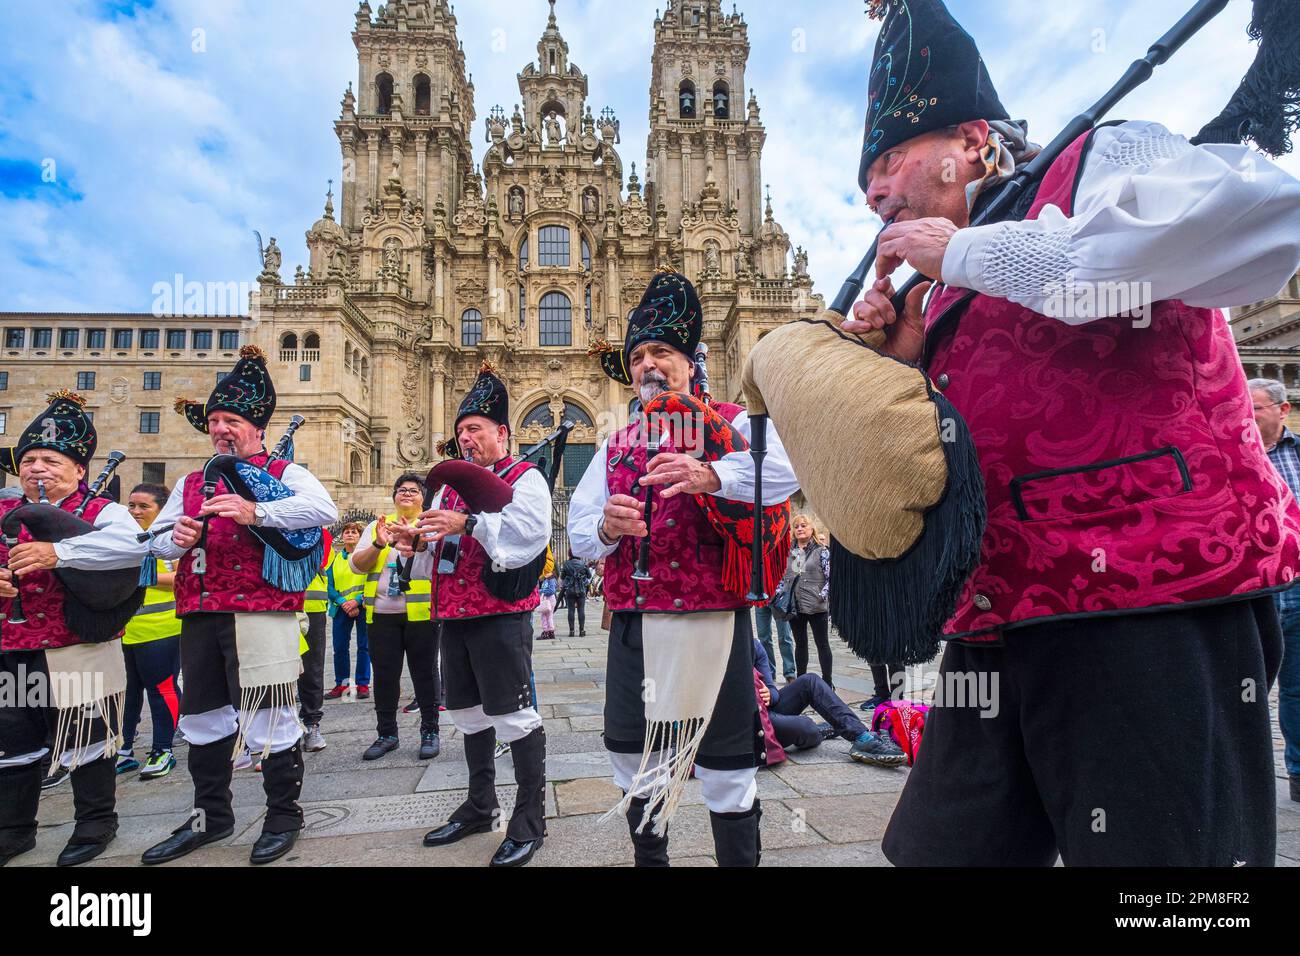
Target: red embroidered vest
x=42, y=592
x=685, y=551
x=462, y=594
x=1121, y=460
x=233, y=579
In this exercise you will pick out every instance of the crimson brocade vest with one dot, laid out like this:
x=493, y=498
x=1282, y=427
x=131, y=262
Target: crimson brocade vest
x=462, y=594
x=1121, y=461
x=232, y=581
x=685, y=552
x=42, y=591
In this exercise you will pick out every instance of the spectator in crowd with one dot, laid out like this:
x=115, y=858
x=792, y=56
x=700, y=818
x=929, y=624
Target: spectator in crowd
x=574, y=577
x=311, y=682
x=547, y=590
x=764, y=618
x=346, y=608
x=152, y=647
x=795, y=731
x=1271, y=410
x=808, y=580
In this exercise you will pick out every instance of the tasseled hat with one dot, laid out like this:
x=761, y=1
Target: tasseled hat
x=927, y=74
x=669, y=312
x=247, y=392
x=63, y=427
x=486, y=397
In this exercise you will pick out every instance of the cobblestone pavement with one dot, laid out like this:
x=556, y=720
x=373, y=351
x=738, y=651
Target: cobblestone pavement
x=820, y=808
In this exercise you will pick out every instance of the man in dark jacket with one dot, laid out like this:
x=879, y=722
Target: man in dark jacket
x=794, y=731
x=574, y=578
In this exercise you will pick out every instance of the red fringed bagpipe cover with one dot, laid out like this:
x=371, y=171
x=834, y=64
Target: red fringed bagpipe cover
x=693, y=426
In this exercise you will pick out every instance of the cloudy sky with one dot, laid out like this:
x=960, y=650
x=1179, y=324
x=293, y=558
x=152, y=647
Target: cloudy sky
x=144, y=138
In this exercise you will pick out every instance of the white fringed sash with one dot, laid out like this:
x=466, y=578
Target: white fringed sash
x=87, y=681
x=269, y=665
x=685, y=659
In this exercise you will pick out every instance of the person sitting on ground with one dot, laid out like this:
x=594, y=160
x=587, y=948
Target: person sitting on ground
x=795, y=731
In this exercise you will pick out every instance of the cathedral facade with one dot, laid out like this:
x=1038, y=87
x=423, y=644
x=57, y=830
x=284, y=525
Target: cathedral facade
x=427, y=264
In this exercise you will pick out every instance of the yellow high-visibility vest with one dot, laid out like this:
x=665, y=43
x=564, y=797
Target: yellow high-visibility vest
x=419, y=599
x=316, y=599
x=351, y=584
x=156, y=619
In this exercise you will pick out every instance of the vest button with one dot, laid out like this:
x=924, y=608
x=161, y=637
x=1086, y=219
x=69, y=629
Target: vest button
x=674, y=565
x=640, y=600
x=40, y=590
x=40, y=616
x=460, y=581
x=942, y=381
x=461, y=611
x=45, y=643
x=982, y=602
x=677, y=602
x=239, y=597
x=238, y=568
x=671, y=522
x=206, y=594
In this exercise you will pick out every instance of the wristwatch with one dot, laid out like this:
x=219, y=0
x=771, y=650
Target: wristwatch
x=259, y=515
x=470, y=522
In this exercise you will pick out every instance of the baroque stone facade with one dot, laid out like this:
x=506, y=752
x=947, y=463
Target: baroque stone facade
x=1268, y=340
x=431, y=265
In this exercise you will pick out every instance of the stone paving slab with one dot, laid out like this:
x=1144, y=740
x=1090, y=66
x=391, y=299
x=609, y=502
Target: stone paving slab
x=559, y=766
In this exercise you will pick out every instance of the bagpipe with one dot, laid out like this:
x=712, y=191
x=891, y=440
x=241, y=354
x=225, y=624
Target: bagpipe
x=96, y=604
x=903, y=497
x=290, y=558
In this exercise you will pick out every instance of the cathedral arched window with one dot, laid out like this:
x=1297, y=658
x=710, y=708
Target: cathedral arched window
x=721, y=101
x=311, y=341
x=471, y=327
x=686, y=100
x=384, y=94
x=539, y=416
x=553, y=246
x=556, y=319
x=586, y=254
x=573, y=413
x=422, y=95
x=358, y=469
x=523, y=253
x=523, y=307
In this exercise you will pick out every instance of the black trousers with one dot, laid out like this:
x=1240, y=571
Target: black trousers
x=799, y=732
x=887, y=678
x=393, y=637
x=821, y=634
x=152, y=670
x=1135, y=740
x=578, y=603
x=311, y=683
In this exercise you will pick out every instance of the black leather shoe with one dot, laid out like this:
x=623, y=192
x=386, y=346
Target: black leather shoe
x=75, y=854
x=182, y=842
x=430, y=747
x=271, y=846
x=513, y=853
x=8, y=854
x=380, y=747
x=454, y=830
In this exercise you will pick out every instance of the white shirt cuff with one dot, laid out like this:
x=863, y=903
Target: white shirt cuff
x=965, y=252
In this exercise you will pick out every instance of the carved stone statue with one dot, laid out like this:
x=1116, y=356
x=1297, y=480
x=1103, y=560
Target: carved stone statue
x=588, y=123
x=800, y=262
x=393, y=255
x=553, y=133
x=711, y=264
x=515, y=199
x=517, y=121
x=590, y=204
x=271, y=260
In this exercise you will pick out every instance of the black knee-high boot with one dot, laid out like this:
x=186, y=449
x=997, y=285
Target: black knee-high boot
x=529, y=755
x=282, y=774
x=647, y=849
x=736, y=837
x=480, y=756
x=21, y=787
x=94, y=786
x=211, y=768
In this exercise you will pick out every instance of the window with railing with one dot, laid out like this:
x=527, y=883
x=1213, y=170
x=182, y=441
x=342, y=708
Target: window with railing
x=122, y=338
x=471, y=327
x=69, y=338
x=148, y=338
x=556, y=319
x=96, y=338
x=152, y=381
x=553, y=246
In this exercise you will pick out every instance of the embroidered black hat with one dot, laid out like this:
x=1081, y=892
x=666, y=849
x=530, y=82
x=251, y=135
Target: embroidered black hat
x=669, y=312
x=247, y=392
x=486, y=397
x=63, y=427
x=927, y=74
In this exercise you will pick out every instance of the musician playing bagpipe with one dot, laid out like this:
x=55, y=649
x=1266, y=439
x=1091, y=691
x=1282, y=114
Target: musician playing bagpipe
x=680, y=685
x=52, y=653
x=489, y=527
x=246, y=532
x=1136, y=531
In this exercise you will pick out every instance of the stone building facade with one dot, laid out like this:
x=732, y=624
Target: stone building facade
x=1268, y=340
